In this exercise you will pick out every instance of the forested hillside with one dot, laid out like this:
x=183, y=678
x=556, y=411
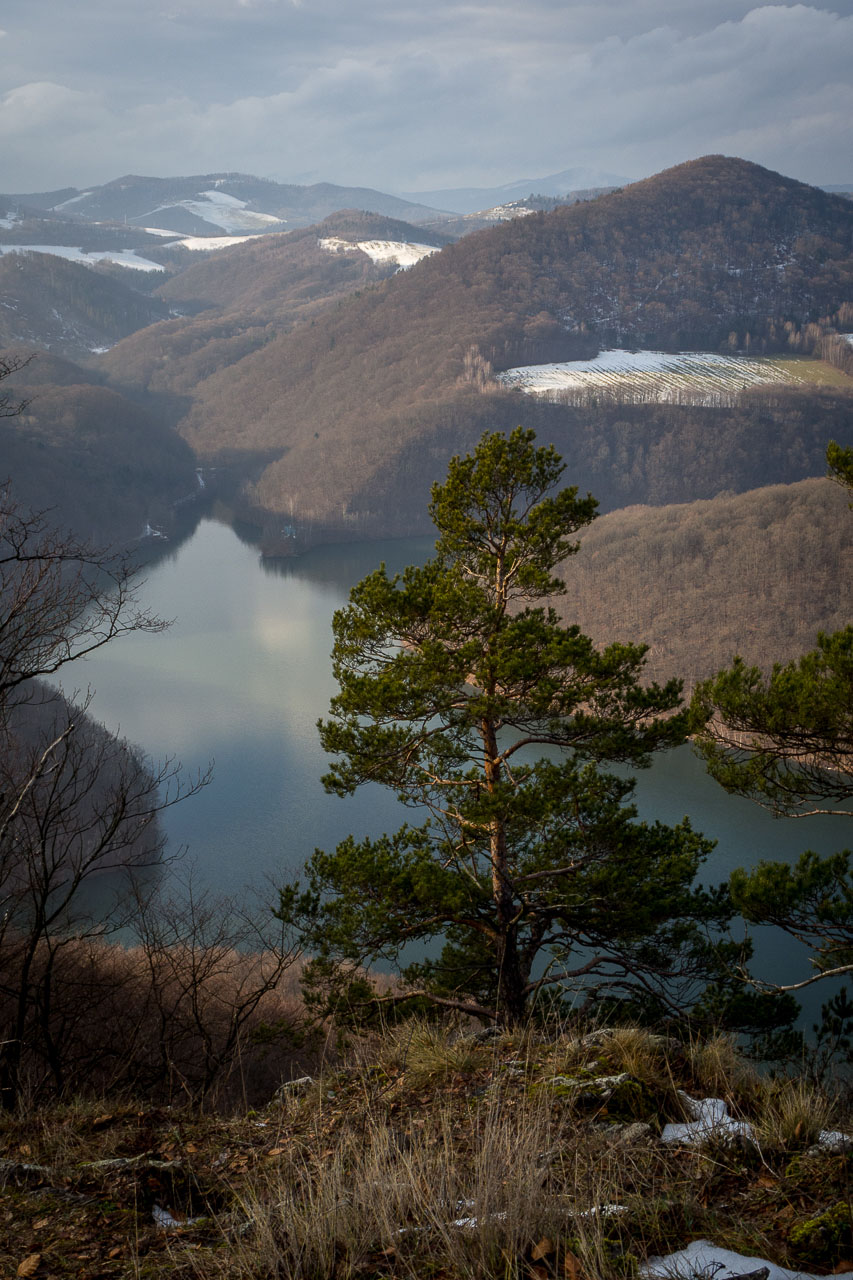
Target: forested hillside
x=273, y=276
x=344, y=409
x=47, y=302
x=757, y=574
x=102, y=464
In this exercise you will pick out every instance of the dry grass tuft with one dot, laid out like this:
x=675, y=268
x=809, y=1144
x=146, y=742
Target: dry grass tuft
x=424, y=1156
x=639, y=1052
x=429, y=1198
x=426, y=1053
x=791, y=1115
x=720, y=1071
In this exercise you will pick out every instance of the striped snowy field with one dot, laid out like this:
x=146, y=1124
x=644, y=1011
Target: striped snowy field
x=649, y=374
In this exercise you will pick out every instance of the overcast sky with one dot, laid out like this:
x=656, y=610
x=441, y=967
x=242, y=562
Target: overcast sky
x=406, y=96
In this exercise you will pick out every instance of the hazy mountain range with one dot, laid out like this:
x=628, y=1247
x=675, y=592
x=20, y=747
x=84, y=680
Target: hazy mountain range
x=216, y=202
x=472, y=199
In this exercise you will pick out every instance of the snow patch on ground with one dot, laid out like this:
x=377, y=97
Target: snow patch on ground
x=848, y=337
x=224, y=211
x=404, y=254
x=123, y=257
x=73, y=200
x=212, y=242
x=501, y=213
x=10, y=220
x=198, y=242
x=166, y=1220
x=710, y=1119
x=703, y=1259
x=655, y=371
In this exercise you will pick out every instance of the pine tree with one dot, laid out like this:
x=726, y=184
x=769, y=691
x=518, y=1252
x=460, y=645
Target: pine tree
x=531, y=869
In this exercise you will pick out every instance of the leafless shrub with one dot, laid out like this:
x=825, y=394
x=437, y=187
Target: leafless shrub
x=77, y=803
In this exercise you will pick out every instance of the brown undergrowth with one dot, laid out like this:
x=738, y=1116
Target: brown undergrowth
x=173, y=1019
x=428, y=1153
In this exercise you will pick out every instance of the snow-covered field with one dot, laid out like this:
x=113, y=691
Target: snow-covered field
x=211, y=242
x=123, y=257
x=129, y=257
x=227, y=212
x=649, y=375
x=404, y=254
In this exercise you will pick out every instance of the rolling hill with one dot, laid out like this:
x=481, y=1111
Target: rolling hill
x=48, y=302
x=99, y=462
x=213, y=203
x=270, y=274
x=239, y=300
x=757, y=573
x=354, y=409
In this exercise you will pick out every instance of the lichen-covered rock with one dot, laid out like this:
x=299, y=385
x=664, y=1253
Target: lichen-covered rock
x=620, y=1096
x=826, y=1239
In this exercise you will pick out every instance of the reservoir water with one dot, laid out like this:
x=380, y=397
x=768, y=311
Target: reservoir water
x=243, y=674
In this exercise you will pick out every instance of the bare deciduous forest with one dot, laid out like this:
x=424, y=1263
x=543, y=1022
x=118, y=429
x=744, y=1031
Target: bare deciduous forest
x=757, y=574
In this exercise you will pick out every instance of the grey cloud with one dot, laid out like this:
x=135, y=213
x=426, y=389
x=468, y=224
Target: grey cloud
x=399, y=95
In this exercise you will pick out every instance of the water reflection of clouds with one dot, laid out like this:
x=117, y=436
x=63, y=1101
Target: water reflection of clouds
x=277, y=632
x=184, y=703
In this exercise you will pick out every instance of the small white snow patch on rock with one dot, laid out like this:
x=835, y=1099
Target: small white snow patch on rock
x=167, y=1221
x=702, y=1259
x=710, y=1119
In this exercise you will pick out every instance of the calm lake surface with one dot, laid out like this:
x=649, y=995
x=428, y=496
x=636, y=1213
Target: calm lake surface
x=241, y=678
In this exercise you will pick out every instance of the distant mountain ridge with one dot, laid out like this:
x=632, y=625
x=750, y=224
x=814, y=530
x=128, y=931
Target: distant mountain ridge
x=475, y=199
x=208, y=204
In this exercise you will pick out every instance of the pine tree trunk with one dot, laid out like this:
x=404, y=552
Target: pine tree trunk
x=512, y=1001
x=512, y=1004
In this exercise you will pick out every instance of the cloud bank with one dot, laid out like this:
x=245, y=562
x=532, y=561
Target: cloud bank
x=402, y=96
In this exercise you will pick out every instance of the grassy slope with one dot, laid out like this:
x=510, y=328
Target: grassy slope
x=424, y=1157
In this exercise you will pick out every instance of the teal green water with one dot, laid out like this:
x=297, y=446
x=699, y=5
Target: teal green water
x=240, y=679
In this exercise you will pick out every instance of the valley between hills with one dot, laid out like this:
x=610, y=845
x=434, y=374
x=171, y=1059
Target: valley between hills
x=322, y=387
x=305, y=370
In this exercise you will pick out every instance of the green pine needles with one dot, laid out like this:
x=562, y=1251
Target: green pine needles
x=786, y=741
x=524, y=864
